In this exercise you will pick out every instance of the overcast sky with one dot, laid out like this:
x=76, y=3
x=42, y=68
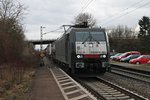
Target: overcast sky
x=54, y=13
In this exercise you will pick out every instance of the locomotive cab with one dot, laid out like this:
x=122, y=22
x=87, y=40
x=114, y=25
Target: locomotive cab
x=84, y=51
x=88, y=51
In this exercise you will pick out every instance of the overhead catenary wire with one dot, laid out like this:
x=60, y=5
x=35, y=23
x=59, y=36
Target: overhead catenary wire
x=56, y=30
x=87, y=5
x=113, y=17
x=83, y=1
x=76, y=11
x=133, y=5
x=120, y=16
x=123, y=11
x=88, y=2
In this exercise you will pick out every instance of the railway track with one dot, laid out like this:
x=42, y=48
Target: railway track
x=70, y=89
x=136, y=75
x=105, y=90
x=100, y=88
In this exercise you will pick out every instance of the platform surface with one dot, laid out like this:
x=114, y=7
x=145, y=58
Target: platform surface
x=44, y=86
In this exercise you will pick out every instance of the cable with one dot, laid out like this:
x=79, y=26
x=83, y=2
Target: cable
x=88, y=2
x=84, y=1
x=124, y=10
x=133, y=5
x=53, y=30
x=86, y=5
x=116, y=18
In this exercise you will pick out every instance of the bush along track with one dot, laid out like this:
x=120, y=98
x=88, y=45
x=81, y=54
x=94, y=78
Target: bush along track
x=15, y=83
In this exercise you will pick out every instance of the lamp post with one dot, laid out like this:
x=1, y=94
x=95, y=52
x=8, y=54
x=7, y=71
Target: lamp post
x=41, y=28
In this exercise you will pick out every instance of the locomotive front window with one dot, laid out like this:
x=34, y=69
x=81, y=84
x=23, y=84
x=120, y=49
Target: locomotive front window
x=99, y=36
x=89, y=36
x=81, y=36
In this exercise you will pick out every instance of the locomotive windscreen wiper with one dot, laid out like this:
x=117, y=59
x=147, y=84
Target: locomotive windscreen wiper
x=85, y=39
x=95, y=40
x=91, y=38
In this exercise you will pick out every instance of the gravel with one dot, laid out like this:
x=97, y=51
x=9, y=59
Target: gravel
x=140, y=88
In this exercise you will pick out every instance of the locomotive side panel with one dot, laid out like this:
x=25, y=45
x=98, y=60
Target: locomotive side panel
x=61, y=49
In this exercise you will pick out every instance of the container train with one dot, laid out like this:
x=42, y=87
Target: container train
x=85, y=51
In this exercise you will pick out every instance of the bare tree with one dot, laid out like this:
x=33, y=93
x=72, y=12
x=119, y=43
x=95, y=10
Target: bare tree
x=122, y=39
x=120, y=32
x=11, y=9
x=85, y=17
x=11, y=30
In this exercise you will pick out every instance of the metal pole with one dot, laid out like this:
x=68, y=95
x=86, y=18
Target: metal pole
x=41, y=28
x=41, y=39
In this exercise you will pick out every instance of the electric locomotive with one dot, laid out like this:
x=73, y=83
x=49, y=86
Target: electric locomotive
x=85, y=51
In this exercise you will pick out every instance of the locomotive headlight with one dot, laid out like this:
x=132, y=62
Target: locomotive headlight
x=79, y=56
x=102, y=56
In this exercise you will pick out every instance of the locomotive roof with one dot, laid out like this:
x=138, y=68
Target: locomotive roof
x=72, y=29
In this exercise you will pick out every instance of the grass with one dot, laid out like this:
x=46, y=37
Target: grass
x=15, y=82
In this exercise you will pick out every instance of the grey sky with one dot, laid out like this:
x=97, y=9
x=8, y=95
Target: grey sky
x=54, y=13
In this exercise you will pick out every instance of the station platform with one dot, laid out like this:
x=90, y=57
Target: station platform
x=44, y=86
x=52, y=83
x=133, y=66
